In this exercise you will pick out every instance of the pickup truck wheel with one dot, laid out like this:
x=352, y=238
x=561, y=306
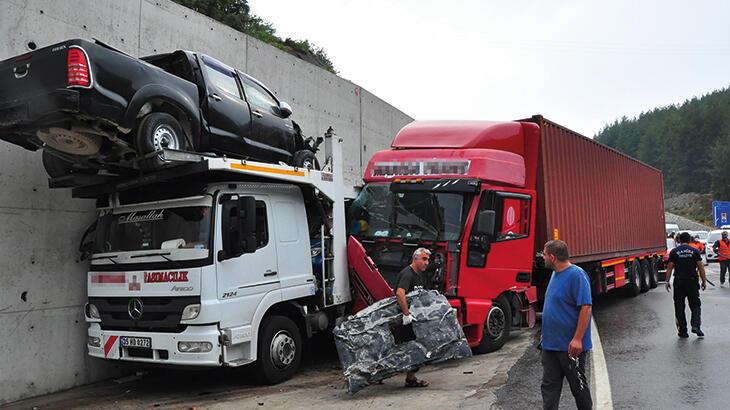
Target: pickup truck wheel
x=633, y=287
x=645, y=276
x=279, y=350
x=496, y=327
x=158, y=130
x=56, y=167
x=306, y=159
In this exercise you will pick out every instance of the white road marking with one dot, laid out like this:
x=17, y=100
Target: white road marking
x=600, y=372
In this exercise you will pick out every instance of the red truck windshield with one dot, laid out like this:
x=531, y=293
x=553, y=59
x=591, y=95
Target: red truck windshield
x=379, y=212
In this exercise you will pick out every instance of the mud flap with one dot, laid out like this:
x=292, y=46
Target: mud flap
x=527, y=298
x=369, y=284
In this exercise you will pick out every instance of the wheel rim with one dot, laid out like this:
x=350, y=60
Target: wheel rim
x=283, y=349
x=165, y=137
x=495, y=322
x=308, y=164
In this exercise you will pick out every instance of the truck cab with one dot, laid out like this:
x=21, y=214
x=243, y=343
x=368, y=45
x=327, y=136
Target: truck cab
x=466, y=191
x=211, y=265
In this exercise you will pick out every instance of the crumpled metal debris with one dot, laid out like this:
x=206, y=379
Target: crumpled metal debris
x=368, y=349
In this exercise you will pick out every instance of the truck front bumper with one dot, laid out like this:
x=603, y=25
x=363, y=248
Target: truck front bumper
x=106, y=344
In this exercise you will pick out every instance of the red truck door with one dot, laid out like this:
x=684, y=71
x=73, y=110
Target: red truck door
x=503, y=262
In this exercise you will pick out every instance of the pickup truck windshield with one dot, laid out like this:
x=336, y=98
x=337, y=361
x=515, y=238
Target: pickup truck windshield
x=412, y=215
x=176, y=228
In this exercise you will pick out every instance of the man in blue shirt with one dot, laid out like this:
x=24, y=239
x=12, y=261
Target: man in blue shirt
x=566, y=329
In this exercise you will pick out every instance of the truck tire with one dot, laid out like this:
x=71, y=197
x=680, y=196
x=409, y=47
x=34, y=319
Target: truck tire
x=653, y=273
x=56, y=167
x=633, y=287
x=306, y=159
x=496, y=327
x=645, y=273
x=279, y=351
x=156, y=131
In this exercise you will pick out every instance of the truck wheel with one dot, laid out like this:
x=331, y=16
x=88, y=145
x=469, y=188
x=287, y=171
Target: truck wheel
x=634, y=276
x=306, y=159
x=653, y=273
x=496, y=327
x=157, y=131
x=645, y=276
x=56, y=167
x=279, y=350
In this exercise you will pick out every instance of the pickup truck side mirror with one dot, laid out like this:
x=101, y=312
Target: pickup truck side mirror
x=285, y=109
x=486, y=223
x=238, y=226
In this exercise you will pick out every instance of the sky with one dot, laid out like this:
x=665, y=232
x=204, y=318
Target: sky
x=582, y=64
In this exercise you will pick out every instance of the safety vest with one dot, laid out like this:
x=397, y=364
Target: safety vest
x=698, y=245
x=723, y=252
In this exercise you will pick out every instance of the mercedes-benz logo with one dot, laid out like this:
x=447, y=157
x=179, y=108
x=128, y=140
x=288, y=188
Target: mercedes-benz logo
x=135, y=308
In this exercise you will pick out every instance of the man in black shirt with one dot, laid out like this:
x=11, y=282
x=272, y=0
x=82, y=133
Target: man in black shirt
x=686, y=261
x=407, y=280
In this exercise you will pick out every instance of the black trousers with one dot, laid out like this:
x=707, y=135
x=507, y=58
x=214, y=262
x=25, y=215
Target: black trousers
x=687, y=289
x=724, y=267
x=555, y=367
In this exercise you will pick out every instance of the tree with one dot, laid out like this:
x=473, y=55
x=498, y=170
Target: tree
x=237, y=14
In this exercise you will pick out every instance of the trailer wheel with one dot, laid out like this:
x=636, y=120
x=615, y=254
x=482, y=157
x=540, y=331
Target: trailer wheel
x=156, y=131
x=279, y=350
x=496, y=327
x=653, y=273
x=645, y=284
x=634, y=275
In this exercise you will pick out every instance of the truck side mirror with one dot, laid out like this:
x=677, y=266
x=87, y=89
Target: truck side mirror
x=285, y=109
x=238, y=227
x=486, y=223
x=86, y=248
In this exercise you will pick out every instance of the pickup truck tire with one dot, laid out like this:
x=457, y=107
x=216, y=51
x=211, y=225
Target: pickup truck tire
x=156, y=131
x=56, y=167
x=496, y=327
x=306, y=159
x=633, y=276
x=279, y=350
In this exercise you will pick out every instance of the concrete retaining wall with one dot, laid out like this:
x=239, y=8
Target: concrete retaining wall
x=42, y=288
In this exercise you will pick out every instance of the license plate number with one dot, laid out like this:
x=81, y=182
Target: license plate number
x=143, y=342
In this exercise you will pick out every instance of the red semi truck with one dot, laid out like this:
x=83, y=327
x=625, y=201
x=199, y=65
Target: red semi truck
x=486, y=196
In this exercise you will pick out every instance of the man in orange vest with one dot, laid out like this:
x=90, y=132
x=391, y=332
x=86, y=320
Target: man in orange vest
x=722, y=250
x=695, y=243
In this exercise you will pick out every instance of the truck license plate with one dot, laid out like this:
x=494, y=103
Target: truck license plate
x=143, y=342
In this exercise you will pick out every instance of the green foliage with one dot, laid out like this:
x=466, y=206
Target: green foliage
x=690, y=143
x=237, y=14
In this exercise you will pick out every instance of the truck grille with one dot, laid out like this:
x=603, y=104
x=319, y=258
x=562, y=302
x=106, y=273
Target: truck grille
x=158, y=313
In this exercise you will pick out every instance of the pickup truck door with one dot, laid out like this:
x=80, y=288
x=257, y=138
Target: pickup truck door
x=251, y=276
x=228, y=114
x=268, y=124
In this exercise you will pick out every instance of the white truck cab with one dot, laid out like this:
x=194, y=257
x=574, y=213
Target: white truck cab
x=211, y=265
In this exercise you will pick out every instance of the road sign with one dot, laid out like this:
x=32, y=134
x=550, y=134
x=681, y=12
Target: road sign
x=721, y=213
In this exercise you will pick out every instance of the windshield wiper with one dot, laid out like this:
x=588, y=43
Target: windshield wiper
x=111, y=258
x=163, y=254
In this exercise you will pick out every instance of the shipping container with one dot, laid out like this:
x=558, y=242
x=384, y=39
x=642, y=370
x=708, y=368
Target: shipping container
x=603, y=203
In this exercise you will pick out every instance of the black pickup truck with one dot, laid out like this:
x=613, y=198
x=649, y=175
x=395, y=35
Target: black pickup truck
x=90, y=107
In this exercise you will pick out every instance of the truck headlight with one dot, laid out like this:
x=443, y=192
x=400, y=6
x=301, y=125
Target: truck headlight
x=194, y=347
x=92, y=312
x=93, y=341
x=190, y=312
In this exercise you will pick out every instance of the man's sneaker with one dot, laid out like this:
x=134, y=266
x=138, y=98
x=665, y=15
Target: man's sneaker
x=683, y=334
x=698, y=332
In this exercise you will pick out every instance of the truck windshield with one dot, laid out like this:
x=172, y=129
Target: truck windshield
x=415, y=215
x=155, y=229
